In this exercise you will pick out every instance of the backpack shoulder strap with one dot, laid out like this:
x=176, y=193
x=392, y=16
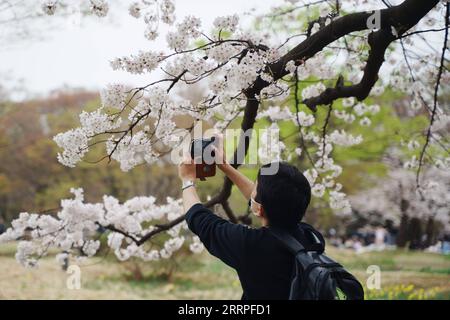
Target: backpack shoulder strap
x=316, y=238
x=292, y=244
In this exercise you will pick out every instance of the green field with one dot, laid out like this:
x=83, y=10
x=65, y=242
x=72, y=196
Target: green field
x=404, y=275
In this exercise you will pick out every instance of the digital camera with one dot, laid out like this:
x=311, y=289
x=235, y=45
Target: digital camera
x=203, y=156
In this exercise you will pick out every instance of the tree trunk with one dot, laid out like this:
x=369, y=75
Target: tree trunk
x=415, y=233
x=430, y=233
x=402, y=237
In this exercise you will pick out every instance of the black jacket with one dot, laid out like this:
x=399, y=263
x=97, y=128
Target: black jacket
x=263, y=265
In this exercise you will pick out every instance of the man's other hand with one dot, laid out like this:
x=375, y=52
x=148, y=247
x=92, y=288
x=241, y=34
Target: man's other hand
x=219, y=150
x=186, y=169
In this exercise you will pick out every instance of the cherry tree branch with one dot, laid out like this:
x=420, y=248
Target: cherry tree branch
x=436, y=89
x=378, y=41
x=399, y=19
x=297, y=104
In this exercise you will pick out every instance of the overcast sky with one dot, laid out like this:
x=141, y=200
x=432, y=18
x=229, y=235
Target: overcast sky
x=78, y=56
x=75, y=52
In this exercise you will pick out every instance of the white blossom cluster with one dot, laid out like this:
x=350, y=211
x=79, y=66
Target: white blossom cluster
x=114, y=96
x=77, y=227
x=153, y=12
x=269, y=145
x=228, y=23
x=131, y=150
x=75, y=142
x=138, y=64
x=49, y=7
x=414, y=146
x=315, y=67
x=98, y=7
x=98, y=122
x=341, y=138
x=186, y=30
x=432, y=200
x=75, y=145
x=128, y=148
x=313, y=91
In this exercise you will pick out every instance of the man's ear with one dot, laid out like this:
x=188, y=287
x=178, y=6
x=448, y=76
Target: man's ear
x=261, y=212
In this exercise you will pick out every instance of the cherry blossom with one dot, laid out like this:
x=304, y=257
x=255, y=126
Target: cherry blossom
x=75, y=230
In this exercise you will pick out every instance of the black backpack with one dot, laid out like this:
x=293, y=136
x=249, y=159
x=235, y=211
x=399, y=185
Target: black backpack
x=316, y=276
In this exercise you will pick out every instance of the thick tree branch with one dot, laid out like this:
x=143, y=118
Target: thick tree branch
x=161, y=228
x=229, y=212
x=378, y=41
x=401, y=17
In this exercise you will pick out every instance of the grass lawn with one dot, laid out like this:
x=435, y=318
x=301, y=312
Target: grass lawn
x=404, y=275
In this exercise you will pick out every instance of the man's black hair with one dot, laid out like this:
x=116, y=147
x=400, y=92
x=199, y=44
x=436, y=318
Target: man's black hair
x=284, y=195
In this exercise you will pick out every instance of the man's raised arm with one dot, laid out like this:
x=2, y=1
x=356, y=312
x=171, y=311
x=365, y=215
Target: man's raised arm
x=221, y=238
x=244, y=184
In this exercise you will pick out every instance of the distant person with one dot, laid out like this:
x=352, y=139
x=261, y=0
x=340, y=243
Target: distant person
x=357, y=245
x=392, y=231
x=2, y=226
x=334, y=240
x=446, y=244
x=380, y=236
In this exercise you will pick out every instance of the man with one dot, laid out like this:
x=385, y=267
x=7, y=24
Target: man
x=263, y=265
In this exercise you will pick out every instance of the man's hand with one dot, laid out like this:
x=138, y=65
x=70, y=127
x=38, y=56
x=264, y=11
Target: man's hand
x=244, y=184
x=219, y=150
x=186, y=169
